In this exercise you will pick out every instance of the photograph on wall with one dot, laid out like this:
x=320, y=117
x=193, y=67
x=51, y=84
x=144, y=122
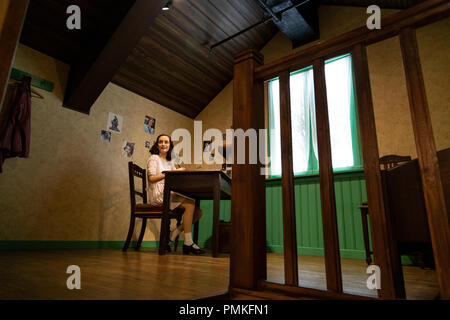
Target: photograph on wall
x=149, y=125
x=128, y=149
x=106, y=135
x=207, y=146
x=114, y=122
x=147, y=144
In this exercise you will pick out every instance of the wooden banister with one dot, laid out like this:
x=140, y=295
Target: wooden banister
x=287, y=183
x=327, y=195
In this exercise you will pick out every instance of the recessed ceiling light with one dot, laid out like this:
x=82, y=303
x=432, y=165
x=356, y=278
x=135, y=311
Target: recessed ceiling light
x=167, y=6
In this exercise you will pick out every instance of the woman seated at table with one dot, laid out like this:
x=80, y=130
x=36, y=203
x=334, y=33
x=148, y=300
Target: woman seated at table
x=161, y=160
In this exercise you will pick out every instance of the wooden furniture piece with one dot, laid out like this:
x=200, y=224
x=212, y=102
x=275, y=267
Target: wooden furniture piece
x=406, y=209
x=388, y=162
x=144, y=210
x=392, y=160
x=198, y=185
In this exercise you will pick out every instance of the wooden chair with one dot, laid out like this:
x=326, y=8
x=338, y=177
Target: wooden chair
x=392, y=160
x=144, y=210
x=388, y=162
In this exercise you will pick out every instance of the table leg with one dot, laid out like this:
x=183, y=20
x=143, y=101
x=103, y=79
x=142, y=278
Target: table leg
x=164, y=236
x=364, y=212
x=216, y=215
x=197, y=205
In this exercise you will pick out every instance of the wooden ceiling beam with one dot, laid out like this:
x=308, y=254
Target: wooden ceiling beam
x=89, y=77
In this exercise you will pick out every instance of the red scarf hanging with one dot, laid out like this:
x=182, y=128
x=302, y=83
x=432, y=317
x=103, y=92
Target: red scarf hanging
x=15, y=130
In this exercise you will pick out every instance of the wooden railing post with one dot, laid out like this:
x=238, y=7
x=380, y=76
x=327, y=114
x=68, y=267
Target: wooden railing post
x=437, y=214
x=384, y=247
x=248, y=202
x=327, y=195
x=287, y=183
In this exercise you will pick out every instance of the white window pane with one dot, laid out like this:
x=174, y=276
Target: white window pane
x=300, y=122
x=337, y=74
x=274, y=128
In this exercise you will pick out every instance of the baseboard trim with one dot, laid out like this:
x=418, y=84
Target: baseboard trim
x=56, y=244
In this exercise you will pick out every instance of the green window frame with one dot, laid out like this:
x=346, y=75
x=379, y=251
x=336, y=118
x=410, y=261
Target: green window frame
x=309, y=137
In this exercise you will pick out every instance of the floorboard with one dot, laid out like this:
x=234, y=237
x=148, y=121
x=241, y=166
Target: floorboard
x=108, y=274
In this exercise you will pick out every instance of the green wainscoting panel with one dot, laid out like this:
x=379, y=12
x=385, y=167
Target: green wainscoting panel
x=350, y=192
x=205, y=224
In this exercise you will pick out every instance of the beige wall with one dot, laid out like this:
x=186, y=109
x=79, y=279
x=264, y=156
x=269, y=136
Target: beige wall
x=75, y=186
x=390, y=98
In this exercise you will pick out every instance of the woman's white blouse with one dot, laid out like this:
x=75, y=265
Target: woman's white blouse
x=156, y=165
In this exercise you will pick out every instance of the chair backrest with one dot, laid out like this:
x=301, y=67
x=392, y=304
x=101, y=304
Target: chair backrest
x=392, y=160
x=136, y=171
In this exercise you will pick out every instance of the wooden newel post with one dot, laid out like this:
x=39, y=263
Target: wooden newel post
x=248, y=203
x=437, y=214
x=384, y=247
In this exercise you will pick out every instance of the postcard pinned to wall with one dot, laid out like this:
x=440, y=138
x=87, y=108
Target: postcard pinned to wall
x=149, y=125
x=114, y=122
x=106, y=135
x=128, y=149
x=147, y=144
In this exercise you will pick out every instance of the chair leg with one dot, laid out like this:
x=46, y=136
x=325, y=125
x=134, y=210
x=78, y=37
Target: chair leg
x=175, y=245
x=365, y=228
x=141, y=235
x=130, y=233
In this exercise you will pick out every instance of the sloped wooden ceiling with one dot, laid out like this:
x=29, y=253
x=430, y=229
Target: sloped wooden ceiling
x=173, y=64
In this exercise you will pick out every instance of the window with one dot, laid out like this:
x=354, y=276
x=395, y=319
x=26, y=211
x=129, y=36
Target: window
x=342, y=119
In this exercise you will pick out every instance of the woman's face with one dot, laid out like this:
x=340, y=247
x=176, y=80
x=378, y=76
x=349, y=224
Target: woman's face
x=163, y=144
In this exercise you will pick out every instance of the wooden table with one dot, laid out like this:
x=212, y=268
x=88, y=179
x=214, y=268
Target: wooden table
x=198, y=185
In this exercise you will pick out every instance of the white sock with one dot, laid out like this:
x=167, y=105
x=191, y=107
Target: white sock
x=188, y=240
x=174, y=234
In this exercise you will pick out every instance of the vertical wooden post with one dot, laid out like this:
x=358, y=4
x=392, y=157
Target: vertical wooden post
x=437, y=214
x=287, y=183
x=327, y=195
x=12, y=17
x=248, y=202
x=384, y=247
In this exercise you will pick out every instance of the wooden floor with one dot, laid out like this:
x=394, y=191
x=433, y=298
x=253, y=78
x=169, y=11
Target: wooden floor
x=112, y=274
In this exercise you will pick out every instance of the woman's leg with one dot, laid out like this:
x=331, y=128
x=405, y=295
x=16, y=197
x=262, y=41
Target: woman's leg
x=187, y=205
x=188, y=215
x=191, y=215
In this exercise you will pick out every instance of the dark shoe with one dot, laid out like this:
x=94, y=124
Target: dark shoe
x=191, y=249
x=168, y=249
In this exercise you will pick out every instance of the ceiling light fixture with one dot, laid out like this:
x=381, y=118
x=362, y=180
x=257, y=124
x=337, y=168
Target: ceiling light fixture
x=167, y=6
